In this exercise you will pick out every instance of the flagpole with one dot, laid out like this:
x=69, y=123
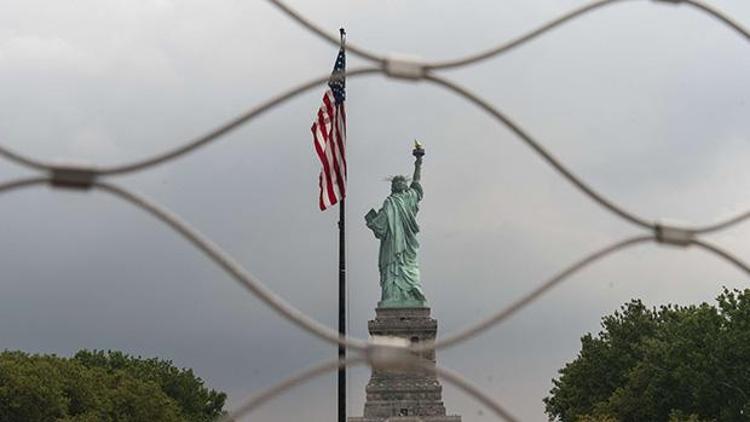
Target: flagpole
x=342, y=293
x=342, y=313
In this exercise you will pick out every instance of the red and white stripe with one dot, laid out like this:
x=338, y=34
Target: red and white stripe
x=329, y=138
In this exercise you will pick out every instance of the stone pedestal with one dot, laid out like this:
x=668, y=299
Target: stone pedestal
x=404, y=396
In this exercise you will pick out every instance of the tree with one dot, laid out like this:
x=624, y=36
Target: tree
x=673, y=363
x=95, y=386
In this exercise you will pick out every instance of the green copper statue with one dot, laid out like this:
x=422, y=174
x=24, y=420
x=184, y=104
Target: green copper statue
x=395, y=224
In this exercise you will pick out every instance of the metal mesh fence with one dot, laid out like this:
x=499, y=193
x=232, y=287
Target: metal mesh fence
x=371, y=352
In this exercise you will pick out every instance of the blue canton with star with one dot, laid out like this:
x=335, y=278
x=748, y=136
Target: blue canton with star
x=338, y=84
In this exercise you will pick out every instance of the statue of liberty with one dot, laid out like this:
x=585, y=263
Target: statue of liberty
x=395, y=225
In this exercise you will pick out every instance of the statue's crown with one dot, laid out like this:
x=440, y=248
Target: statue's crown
x=398, y=177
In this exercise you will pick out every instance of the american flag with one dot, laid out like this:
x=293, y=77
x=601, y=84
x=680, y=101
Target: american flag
x=329, y=137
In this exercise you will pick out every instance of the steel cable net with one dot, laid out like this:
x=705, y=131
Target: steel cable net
x=371, y=352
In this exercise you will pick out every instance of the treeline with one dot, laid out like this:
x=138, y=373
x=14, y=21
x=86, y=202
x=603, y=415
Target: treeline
x=672, y=363
x=98, y=386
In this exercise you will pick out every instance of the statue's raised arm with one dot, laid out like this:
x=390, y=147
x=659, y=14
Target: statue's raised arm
x=395, y=225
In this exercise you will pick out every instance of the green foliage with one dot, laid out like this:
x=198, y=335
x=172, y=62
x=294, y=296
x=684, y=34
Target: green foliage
x=95, y=386
x=674, y=363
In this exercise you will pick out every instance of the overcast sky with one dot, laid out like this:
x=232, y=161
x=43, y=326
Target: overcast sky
x=646, y=101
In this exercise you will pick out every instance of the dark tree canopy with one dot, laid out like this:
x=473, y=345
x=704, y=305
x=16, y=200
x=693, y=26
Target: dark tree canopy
x=97, y=386
x=674, y=363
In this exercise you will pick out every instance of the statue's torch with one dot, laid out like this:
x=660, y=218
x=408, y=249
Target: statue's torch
x=418, y=150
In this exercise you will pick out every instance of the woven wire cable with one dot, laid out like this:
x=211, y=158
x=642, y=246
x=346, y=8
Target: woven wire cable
x=724, y=254
x=508, y=45
x=12, y=185
x=231, y=267
x=255, y=401
x=683, y=236
x=202, y=140
x=535, y=294
x=290, y=313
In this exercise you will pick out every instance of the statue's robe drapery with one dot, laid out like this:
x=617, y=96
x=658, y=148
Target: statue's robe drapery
x=395, y=224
